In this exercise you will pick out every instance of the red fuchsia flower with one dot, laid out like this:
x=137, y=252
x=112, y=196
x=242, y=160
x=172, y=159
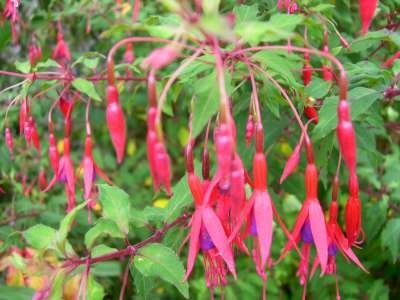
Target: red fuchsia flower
x=310, y=224
x=34, y=53
x=34, y=133
x=353, y=212
x=367, y=11
x=9, y=140
x=346, y=136
x=157, y=155
x=307, y=69
x=65, y=171
x=312, y=113
x=24, y=111
x=54, y=156
x=327, y=73
x=208, y=234
x=116, y=122
x=90, y=169
x=61, y=52
x=160, y=57
x=11, y=10
x=250, y=129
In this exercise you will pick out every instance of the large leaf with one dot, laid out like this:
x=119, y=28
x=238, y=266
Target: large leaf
x=40, y=236
x=360, y=100
x=158, y=260
x=116, y=205
x=391, y=238
x=15, y=293
x=103, y=227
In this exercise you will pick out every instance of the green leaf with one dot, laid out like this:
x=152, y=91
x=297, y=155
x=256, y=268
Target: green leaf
x=143, y=284
x=65, y=227
x=210, y=6
x=158, y=260
x=116, y=205
x=360, y=99
x=95, y=290
x=40, y=236
x=57, y=285
x=318, y=88
x=373, y=218
x=106, y=269
x=103, y=227
x=23, y=66
x=279, y=27
x=391, y=238
x=281, y=64
x=378, y=291
x=49, y=63
x=245, y=13
x=181, y=199
x=15, y=293
x=86, y=87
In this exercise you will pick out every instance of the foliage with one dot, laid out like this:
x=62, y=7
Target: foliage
x=76, y=222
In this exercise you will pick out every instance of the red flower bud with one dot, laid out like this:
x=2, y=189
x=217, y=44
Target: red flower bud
x=224, y=147
x=307, y=70
x=312, y=113
x=116, y=122
x=353, y=219
x=53, y=152
x=260, y=171
x=163, y=166
x=367, y=10
x=9, y=140
x=160, y=57
x=346, y=136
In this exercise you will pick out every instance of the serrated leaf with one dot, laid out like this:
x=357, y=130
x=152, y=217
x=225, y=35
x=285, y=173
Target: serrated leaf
x=116, y=205
x=360, y=100
x=317, y=88
x=86, y=87
x=158, y=260
x=245, y=13
x=391, y=238
x=39, y=236
x=65, y=227
x=143, y=284
x=23, y=66
x=104, y=227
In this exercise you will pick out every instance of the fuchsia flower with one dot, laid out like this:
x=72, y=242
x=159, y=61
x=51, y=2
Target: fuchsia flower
x=61, y=52
x=11, y=10
x=310, y=224
x=90, y=169
x=207, y=233
x=65, y=174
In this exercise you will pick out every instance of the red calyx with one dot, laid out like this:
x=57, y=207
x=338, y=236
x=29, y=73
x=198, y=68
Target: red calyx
x=116, y=122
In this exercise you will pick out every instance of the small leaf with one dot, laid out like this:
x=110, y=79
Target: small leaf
x=49, y=63
x=180, y=200
x=158, y=260
x=39, y=236
x=86, y=87
x=95, y=291
x=103, y=227
x=391, y=238
x=116, y=205
x=23, y=66
x=65, y=227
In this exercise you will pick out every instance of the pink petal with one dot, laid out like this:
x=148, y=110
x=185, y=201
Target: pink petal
x=291, y=163
x=219, y=238
x=318, y=229
x=193, y=242
x=88, y=168
x=263, y=217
